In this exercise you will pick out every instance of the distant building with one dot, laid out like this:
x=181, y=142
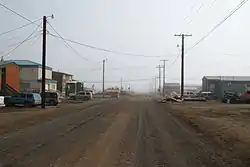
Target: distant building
x=171, y=88
x=219, y=84
x=192, y=88
x=62, y=79
x=25, y=75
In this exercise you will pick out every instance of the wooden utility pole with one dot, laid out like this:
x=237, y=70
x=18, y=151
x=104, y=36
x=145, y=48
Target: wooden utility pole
x=159, y=67
x=103, y=76
x=155, y=84
x=121, y=84
x=182, y=59
x=164, y=76
x=44, y=61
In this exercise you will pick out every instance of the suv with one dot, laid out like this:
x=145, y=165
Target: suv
x=82, y=96
x=51, y=98
x=26, y=99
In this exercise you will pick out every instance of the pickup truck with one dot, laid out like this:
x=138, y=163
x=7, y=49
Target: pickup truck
x=26, y=99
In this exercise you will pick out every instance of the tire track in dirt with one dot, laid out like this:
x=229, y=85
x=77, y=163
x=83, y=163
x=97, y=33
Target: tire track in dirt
x=101, y=150
x=126, y=149
x=103, y=153
x=37, y=140
x=149, y=150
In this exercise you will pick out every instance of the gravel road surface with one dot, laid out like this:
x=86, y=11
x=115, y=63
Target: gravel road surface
x=129, y=132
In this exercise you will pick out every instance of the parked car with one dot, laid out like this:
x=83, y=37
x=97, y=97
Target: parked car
x=207, y=95
x=51, y=98
x=232, y=98
x=2, y=104
x=25, y=98
x=82, y=96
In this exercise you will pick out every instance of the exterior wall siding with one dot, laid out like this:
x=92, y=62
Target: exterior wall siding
x=218, y=87
x=28, y=73
x=48, y=73
x=37, y=86
x=13, y=76
x=61, y=79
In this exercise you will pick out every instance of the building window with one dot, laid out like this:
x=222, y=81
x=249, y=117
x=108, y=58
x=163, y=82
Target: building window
x=53, y=86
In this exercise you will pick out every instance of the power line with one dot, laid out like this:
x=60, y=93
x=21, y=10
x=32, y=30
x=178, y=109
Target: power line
x=25, y=40
x=214, y=1
x=66, y=43
x=134, y=80
x=177, y=58
x=105, y=50
x=219, y=24
x=17, y=43
x=197, y=12
x=18, y=14
x=18, y=28
x=36, y=38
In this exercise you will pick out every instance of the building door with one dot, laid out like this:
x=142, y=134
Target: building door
x=3, y=77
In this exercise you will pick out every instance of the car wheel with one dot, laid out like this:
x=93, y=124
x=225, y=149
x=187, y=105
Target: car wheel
x=9, y=105
x=27, y=104
x=53, y=103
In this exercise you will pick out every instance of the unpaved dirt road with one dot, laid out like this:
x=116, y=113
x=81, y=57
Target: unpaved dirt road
x=129, y=132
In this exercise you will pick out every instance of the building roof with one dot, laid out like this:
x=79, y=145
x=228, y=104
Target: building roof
x=24, y=63
x=228, y=78
x=62, y=73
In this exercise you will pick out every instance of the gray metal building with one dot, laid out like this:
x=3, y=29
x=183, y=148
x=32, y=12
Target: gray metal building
x=219, y=84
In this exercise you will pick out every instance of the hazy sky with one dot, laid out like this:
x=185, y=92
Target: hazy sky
x=143, y=27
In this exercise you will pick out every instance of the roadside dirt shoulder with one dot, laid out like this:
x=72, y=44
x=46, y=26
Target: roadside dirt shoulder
x=227, y=126
x=14, y=119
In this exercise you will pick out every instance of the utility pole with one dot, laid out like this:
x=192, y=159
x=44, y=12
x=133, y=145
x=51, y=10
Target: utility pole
x=159, y=66
x=103, y=71
x=155, y=84
x=182, y=59
x=164, y=75
x=44, y=60
x=121, y=84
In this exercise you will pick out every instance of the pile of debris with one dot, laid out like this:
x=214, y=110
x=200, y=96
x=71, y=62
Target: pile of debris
x=178, y=99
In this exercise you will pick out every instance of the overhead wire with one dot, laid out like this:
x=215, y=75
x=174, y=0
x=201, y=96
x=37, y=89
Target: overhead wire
x=18, y=28
x=118, y=68
x=211, y=5
x=25, y=40
x=66, y=43
x=219, y=24
x=133, y=80
x=103, y=49
x=36, y=38
x=16, y=13
x=197, y=12
x=17, y=43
